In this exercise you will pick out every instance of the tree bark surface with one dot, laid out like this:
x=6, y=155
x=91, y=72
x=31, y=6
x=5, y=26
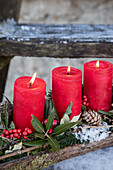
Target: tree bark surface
x=44, y=159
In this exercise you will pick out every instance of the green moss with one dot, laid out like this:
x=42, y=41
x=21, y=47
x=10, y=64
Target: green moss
x=67, y=139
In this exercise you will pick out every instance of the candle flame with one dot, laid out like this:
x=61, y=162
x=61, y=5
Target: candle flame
x=97, y=64
x=32, y=79
x=68, y=69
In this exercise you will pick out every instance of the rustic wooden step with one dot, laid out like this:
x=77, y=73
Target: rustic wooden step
x=45, y=40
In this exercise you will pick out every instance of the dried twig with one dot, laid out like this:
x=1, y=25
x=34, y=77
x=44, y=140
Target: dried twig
x=86, y=127
x=102, y=126
x=22, y=151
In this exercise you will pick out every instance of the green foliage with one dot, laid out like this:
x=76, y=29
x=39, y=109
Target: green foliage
x=1, y=141
x=43, y=133
x=67, y=139
x=83, y=108
x=63, y=128
x=39, y=135
x=106, y=113
x=12, y=125
x=54, y=143
x=68, y=111
x=55, y=112
x=48, y=103
x=4, y=120
x=8, y=100
x=42, y=136
x=50, y=120
x=34, y=142
x=37, y=124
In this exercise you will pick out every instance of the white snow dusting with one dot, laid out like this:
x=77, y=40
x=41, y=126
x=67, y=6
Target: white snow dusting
x=92, y=134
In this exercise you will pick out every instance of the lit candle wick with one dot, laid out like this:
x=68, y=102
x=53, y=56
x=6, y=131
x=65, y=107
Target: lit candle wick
x=68, y=70
x=32, y=79
x=97, y=65
x=29, y=85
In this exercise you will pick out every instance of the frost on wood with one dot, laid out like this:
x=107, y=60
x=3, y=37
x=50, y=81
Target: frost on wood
x=92, y=134
x=62, y=33
x=43, y=40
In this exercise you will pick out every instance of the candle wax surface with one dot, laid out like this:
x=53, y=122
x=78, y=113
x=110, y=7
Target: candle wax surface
x=98, y=85
x=28, y=101
x=66, y=88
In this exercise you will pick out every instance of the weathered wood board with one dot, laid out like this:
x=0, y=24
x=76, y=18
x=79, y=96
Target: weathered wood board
x=44, y=159
x=45, y=40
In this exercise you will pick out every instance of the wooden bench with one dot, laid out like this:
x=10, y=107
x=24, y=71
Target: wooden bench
x=58, y=41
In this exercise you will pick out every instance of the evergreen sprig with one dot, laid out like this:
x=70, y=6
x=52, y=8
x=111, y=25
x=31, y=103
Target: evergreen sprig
x=42, y=133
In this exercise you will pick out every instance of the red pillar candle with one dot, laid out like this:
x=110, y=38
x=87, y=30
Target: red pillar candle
x=29, y=99
x=98, y=85
x=66, y=87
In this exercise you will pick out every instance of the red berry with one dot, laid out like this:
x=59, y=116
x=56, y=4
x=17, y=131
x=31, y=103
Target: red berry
x=16, y=135
x=29, y=131
x=26, y=129
x=85, y=100
x=19, y=130
x=8, y=136
x=12, y=136
x=15, y=131
x=50, y=131
x=55, y=122
x=44, y=121
x=84, y=103
x=25, y=137
x=2, y=135
x=87, y=104
x=84, y=96
x=10, y=131
x=25, y=133
x=6, y=132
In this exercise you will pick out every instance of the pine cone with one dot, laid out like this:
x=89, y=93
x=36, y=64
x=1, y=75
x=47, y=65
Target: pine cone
x=9, y=110
x=91, y=118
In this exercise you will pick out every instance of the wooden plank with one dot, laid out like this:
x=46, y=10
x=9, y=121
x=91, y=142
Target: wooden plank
x=44, y=159
x=44, y=40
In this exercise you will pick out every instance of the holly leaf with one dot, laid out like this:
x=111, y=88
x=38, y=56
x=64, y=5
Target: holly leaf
x=8, y=100
x=12, y=125
x=75, y=118
x=50, y=120
x=39, y=135
x=55, y=112
x=34, y=143
x=37, y=124
x=17, y=146
x=65, y=119
x=63, y=128
x=68, y=111
x=1, y=141
x=106, y=113
x=6, y=116
x=54, y=143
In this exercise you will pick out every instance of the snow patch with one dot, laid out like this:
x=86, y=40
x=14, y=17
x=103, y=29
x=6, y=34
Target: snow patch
x=92, y=134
